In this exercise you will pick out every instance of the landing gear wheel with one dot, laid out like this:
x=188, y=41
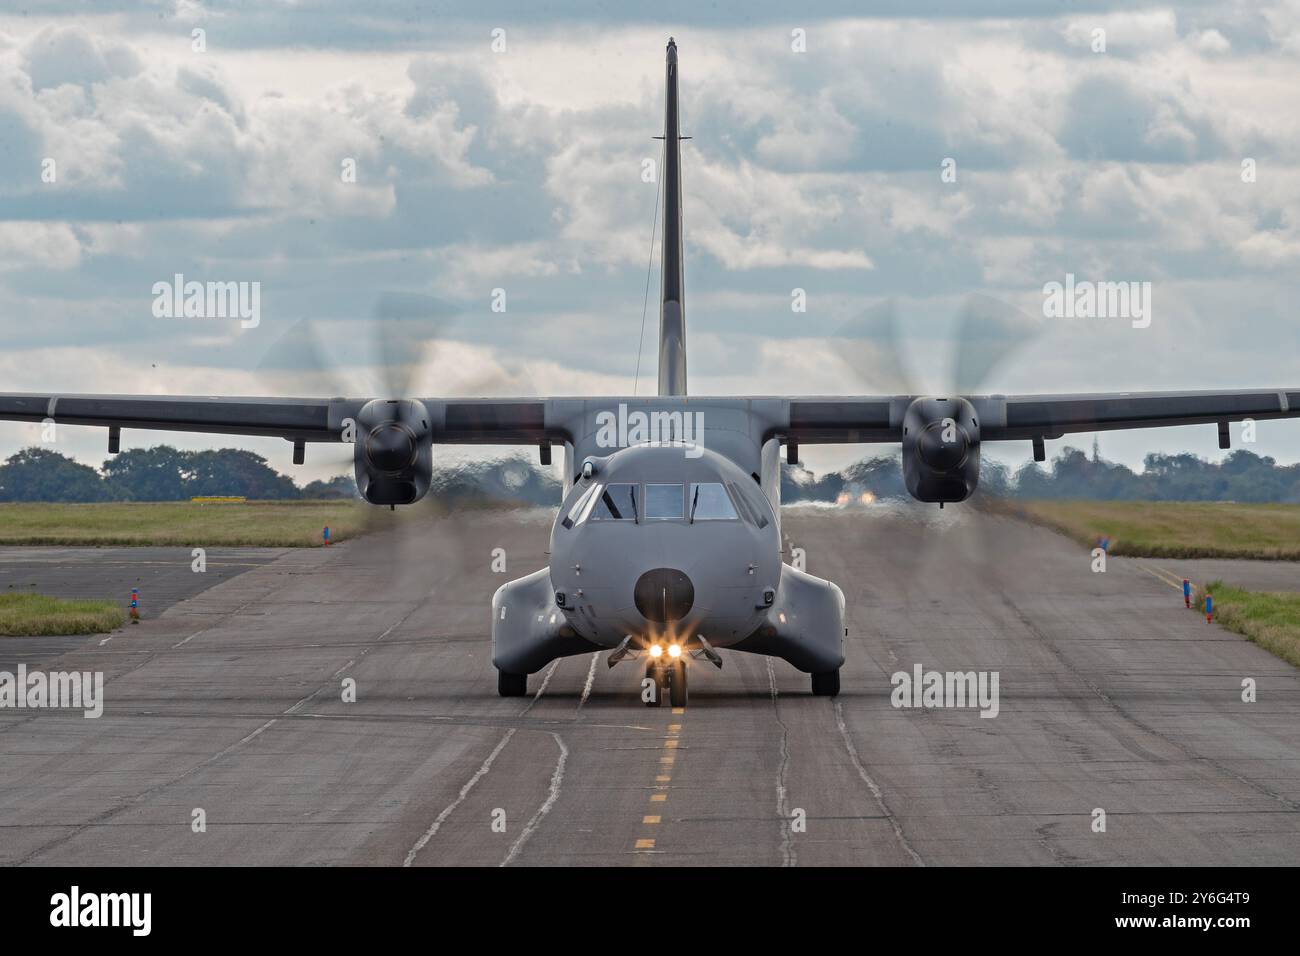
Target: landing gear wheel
x=655, y=673
x=827, y=684
x=677, y=686
x=511, y=685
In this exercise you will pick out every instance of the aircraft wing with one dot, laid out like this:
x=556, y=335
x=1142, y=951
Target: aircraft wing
x=810, y=420
x=1050, y=416
x=469, y=421
x=1027, y=417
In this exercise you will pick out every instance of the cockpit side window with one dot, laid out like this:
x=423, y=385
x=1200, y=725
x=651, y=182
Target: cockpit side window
x=616, y=503
x=575, y=515
x=710, y=502
x=754, y=511
x=663, y=502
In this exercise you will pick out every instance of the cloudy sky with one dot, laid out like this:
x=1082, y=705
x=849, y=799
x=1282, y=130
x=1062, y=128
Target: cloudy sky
x=521, y=169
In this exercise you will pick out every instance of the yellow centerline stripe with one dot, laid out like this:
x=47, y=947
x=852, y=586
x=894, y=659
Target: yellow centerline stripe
x=664, y=776
x=1160, y=574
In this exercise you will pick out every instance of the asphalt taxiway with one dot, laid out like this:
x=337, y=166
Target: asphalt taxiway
x=231, y=702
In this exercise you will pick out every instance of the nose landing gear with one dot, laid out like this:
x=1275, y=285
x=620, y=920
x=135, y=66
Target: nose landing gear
x=668, y=671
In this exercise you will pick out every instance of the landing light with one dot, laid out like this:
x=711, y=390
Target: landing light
x=656, y=650
x=674, y=650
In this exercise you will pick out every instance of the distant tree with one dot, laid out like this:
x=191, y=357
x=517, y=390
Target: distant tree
x=340, y=486
x=40, y=474
x=882, y=476
x=797, y=483
x=1033, y=482
x=160, y=473
x=233, y=471
x=995, y=479
x=512, y=479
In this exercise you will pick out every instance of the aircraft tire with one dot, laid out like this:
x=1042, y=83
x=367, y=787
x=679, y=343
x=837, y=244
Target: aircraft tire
x=511, y=685
x=827, y=684
x=677, y=685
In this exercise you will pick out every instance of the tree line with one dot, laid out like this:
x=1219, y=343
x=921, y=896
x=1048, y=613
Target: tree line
x=1240, y=476
x=164, y=473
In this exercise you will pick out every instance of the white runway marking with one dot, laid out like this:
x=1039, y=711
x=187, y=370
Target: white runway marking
x=556, y=779
x=871, y=785
x=428, y=834
x=788, y=857
x=434, y=827
x=591, y=679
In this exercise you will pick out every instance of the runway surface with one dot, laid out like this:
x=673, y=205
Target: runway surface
x=1111, y=697
x=163, y=576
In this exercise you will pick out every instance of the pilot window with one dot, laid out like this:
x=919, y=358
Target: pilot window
x=663, y=502
x=617, y=503
x=710, y=502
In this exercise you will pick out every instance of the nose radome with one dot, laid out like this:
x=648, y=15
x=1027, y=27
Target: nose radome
x=664, y=595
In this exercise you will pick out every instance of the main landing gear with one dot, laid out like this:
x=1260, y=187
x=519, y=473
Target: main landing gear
x=668, y=672
x=826, y=684
x=511, y=685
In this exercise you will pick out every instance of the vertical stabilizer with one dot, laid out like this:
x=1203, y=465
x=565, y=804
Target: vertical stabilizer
x=672, y=309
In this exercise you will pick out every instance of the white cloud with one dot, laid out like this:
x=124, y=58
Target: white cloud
x=522, y=171
x=45, y=245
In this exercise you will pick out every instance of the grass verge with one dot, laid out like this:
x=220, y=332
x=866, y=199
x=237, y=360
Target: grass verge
x=30, y=615
x=1267, y=618
x=270, y=524
x=1170, y=529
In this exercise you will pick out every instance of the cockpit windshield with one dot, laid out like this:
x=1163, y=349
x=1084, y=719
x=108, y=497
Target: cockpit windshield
x=617, y=503
x=667, y=501
x=663, y=502
x=710, y=502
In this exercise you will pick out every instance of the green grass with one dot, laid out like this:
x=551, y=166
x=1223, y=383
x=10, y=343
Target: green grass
x=1171, y=529
x=273, y=524
x=27, y=615
x=1269, y=619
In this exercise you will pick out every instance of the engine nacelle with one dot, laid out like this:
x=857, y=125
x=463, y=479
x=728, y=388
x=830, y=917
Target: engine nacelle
x=393, y=456
x=941, y=449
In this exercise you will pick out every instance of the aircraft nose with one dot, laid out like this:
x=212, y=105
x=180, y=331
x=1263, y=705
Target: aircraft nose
x=664, y=595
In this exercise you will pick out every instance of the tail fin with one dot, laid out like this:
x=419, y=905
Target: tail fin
x=672, y=310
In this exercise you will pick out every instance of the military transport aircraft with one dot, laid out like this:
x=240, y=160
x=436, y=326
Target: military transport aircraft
x=667, y=543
